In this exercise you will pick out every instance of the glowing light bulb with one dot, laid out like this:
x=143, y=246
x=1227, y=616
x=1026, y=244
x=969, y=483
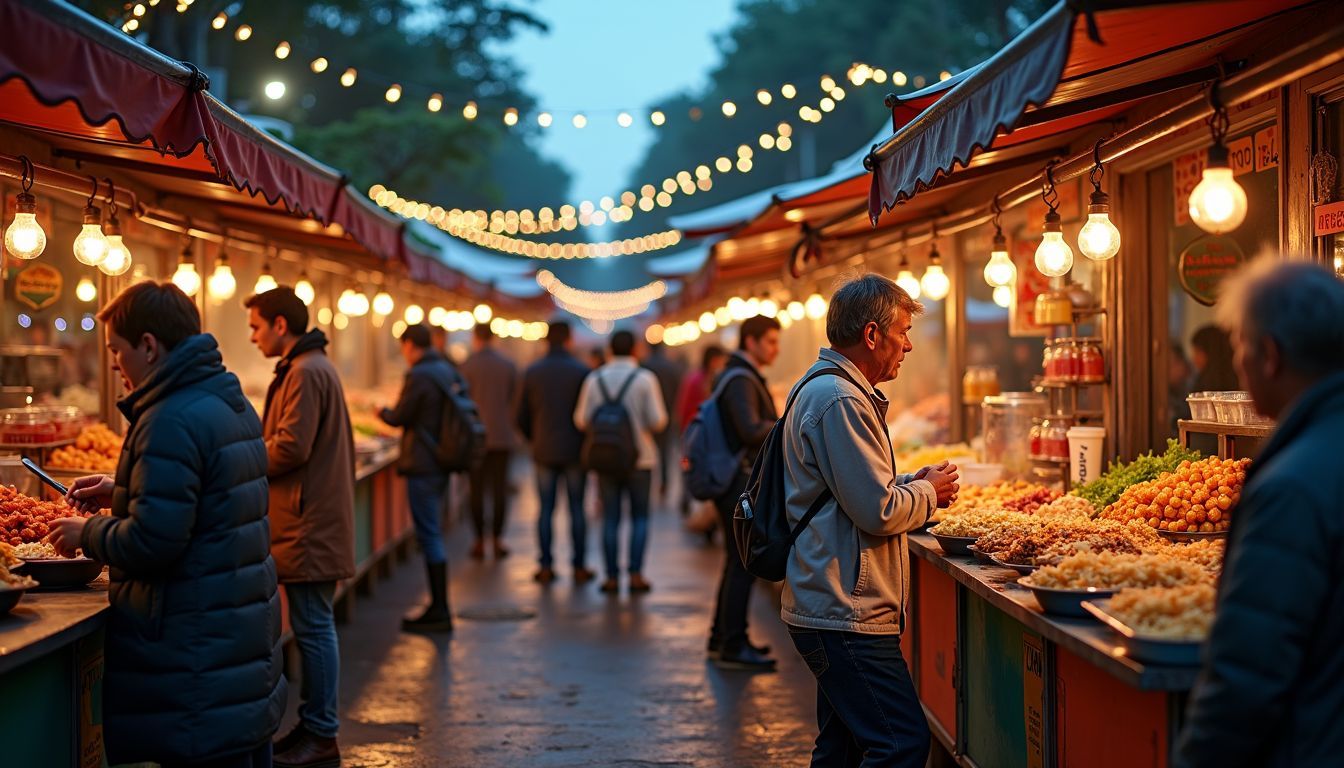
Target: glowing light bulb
x=935, y=283
x=222, y=284
x=438, y=316
x=624, y=120
x=729, y=109
x=655, y=334
x=1054, y=257
x=265, y=281
x=282, y=50
x=1003, y=295
x=414, y=315
x=383, y=304
x=1218, y=203
x=482, y=313
x=90, y=244
x=187, y=278
x=319, y=64
x=908, y=283
x=86, y=291
x=1099, y=239
x=470, y=110
x=580, y=121
x=796, y=310
x=657, y=117
x=393, y=94
x=1000, y=270
x=25, y=238
x=348, y=79
x=707, y=322
x=243, y=33
x=815, y=307
x=118, y=258
x=304, y=289
x=544, y=119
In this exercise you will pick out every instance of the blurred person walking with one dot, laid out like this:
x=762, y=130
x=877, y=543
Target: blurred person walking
x=1269, y=692
x=748, y=414
x=550, y=393
x=669, y=374
x=695, y=389
x=192, y=650
x=419, y=411
x=621, y=408
x=311, y=467
x=493, y=381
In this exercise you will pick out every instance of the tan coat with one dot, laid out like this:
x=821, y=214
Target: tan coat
x=311, y=454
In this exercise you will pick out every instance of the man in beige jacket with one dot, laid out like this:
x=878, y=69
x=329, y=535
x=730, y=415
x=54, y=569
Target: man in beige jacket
x=311, y=467
x=848, y=575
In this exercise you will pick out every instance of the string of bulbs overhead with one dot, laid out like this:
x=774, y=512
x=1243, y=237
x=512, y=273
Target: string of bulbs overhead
x=98, y=244
x=596, y=306
x=735, y=310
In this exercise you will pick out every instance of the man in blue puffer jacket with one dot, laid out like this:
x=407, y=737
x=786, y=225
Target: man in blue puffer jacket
x=193, y=654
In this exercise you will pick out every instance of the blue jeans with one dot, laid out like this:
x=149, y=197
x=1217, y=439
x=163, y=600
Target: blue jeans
x=867, y=711
x=548, y=485
x=614, y=491
x=426, y=496
x=314, y=624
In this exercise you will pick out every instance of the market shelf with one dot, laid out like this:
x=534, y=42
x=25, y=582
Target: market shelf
x=1227, y=434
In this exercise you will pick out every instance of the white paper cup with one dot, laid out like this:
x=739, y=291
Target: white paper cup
x=1086, y=445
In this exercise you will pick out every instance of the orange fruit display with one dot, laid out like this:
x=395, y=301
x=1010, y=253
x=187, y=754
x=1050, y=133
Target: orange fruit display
x=1197, y=498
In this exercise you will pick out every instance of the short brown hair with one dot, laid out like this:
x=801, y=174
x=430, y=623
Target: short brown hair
x=281, y=302
x=870, y=298
x=159, y=309
x=755, y=327
x=418, y=335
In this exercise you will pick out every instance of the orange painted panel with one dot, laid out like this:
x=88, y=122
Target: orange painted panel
x=935, y=622
x=1093, y=708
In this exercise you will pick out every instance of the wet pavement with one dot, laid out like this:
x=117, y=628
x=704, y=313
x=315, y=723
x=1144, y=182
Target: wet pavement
x=564, y=675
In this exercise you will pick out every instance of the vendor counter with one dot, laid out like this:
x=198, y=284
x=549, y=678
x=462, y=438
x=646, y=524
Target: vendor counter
x=51, y=644
x=1005, y=685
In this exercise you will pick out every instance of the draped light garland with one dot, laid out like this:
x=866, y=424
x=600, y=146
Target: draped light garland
x=601, y=306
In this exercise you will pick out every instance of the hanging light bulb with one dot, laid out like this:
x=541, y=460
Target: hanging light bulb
x=1003, y=295
x=1000, y=270
x=796, y=310
x=904, y=277
x=482, y=313
x=935, y=283
x=86, y=291
x=222, y=284
x=383, y=304
x=118, y=259
x=304, y=289
x=25, y=238
x=1098, y=240
x=815, y=306
x=1218, y=203
x=414, y=315
x=186, y=277
x=1054, y=257
x=265, y=281
x=90, y=244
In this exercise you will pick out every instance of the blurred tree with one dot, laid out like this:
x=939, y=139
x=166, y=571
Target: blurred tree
x=427, y=46
x=798, y=41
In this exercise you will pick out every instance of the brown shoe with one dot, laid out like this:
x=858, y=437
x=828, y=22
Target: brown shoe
x=544, y=576
x=478, y=550
x=310, y=751
x=501, y=551
x=611, y=586
x=583, y=576
x=639, y=584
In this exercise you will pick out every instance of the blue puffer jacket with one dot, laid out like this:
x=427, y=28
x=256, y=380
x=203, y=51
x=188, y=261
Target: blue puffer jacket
x=193, y=639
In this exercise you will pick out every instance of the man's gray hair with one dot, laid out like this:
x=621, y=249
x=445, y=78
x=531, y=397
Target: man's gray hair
x=1300, y=305
x=869, y=298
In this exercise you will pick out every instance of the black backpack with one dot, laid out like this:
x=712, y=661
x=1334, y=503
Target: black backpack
x=760, y=520
x=460, y=445
x=609, y=444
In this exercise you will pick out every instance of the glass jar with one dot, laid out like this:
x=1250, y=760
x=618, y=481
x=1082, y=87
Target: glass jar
x=989, y=379
x=1070, y=364
x=1055, y=439
x=969, y=386
x=1037, y=444
x=1053, y=308
x=1091, y=364
x=1006, y=427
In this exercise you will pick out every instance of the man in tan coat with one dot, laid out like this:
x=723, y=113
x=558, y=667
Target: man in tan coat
x=311, y=466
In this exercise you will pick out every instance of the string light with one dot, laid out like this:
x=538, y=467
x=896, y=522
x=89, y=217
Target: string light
x=905, y=278
x=90, y=246
x=282, y=50
x=601, y=305
x=186, y=277
x=625, y=120
x=383, y=304
x=1000, y=270
x=25, y=238
x=118, y=259
x=222, y=284
x=1003, y=295
x=414, y=315
x=657, y=117
x=1218, y=203
x=393, y=94
x=1054, y=257
x=1098, y=239
x=86, y=291
x=348, y=77
x=935, y=283
x=265, y=281
x=304, y=289
x=319, y=65
x=815, y=306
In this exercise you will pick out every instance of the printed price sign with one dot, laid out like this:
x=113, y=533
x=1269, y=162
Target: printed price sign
x=1267, y=148
x=1241, y=155
x=1328, y=219
x=1186, y=172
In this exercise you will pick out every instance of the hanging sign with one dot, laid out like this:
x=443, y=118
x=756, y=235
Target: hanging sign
x=1328, y=219
x=1186, y=172
x=39, y=286
x=1205, y=263
x=1267, y=148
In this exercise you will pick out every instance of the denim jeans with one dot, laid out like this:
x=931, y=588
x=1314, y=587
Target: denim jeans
x=867, y=711
x=426, y=497
x=314, y=624
x=614, y=491
x=548, y=486
x=492, y=476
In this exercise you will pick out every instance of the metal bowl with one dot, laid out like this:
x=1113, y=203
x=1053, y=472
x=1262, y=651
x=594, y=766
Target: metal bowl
x=983, y=557
x=10, y=597
x=1154, y=650
x=954, y=545
x=1066, y=602
x=61, y=573
x=1187, y=536
x=1022, y=569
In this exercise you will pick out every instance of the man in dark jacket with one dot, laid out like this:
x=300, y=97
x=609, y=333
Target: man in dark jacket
x=550, y=391
x=1269, y=693
x=494, y=380
x=749, y=415
x=311, y=465
x=669, y=374
x=193, y=656
x=419, y=412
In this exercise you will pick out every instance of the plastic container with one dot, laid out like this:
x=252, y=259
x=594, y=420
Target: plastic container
x=1006, y=426
x=1086, y=452
x=1201, y=406
x=980, y=474
x=1237, y=408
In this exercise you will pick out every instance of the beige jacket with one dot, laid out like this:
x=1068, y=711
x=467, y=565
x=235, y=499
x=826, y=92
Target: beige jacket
x=850, y=567
x=643, y=400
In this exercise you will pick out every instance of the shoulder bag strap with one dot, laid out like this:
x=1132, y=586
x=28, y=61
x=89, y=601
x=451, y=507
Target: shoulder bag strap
x=620, y=396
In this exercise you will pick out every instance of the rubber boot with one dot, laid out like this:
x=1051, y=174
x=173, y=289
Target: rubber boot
x=437, y=617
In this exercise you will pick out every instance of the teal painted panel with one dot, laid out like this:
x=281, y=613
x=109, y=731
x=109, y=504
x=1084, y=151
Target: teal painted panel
x=37, y=712
x=363, y=520
x=993, y=680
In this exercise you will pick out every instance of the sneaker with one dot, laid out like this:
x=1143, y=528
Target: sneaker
x=583, y=576
x=309, y=751
x=715, y=648
x=544, y=576
x=746, y=659
x=611, y=586
x=432, y=620
x=639, y=584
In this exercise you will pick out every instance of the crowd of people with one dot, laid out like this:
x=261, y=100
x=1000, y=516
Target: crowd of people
x=214, y=510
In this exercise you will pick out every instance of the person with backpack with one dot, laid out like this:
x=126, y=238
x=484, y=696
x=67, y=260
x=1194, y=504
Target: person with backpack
x=493, y=379
x=847, y=512
x=430, y=400
x=747, y=414
x=620, y=409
